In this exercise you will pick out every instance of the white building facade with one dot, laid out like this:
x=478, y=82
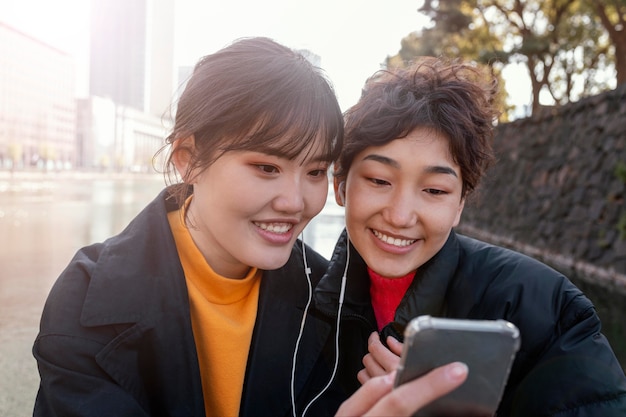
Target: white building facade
x=37, y=106
x=119, y=138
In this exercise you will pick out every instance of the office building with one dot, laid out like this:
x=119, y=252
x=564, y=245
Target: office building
x=37, y=107
x=132, y=53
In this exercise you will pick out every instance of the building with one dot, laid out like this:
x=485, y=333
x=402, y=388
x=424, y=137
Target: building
x=118, y=138
x=132, y=82
x=132, y=53
x=37, y=107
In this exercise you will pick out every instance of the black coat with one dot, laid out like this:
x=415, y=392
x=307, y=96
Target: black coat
x=565, y=366
x=116, y=337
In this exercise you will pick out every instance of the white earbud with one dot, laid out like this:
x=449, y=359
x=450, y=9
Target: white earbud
x=342, y=192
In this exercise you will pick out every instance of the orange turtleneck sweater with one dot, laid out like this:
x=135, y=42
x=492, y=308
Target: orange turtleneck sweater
x=223, y=313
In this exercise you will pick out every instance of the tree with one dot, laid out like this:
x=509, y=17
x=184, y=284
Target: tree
x=612, y=15
x=563, y=46
x=457, y=30
x=454, y=35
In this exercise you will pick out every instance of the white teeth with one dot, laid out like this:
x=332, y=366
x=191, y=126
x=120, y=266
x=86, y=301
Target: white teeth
x=275, y=227
x=393, y=241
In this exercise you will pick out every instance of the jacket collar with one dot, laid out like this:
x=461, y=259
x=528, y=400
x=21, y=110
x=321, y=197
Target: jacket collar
x=357, y=297
x=426, y=294
x=282, y=302
x=129, y=284
x=135, y=279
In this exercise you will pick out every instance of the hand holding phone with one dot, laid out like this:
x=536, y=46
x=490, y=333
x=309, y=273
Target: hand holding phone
x=487, y=347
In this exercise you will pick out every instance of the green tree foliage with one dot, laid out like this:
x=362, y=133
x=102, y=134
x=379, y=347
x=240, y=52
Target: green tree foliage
x=565, y=45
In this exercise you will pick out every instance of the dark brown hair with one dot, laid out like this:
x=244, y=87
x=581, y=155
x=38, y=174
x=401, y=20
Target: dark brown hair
x=452, y=97
x=255, y=94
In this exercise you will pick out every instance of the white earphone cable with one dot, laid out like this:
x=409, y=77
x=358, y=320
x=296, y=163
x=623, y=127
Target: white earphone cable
x=307, y=272
x=341, y=297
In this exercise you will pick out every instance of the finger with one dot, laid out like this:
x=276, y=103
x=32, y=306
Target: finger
x=385, y=358
x=367, y=396
x=373, y=367
x=395, y=345
x=363, y=376
x=410, y=397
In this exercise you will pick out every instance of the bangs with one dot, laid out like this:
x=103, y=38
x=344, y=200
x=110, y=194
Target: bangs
x=295, y=131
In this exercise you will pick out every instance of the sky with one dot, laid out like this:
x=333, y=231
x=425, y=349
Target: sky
x=352, y=37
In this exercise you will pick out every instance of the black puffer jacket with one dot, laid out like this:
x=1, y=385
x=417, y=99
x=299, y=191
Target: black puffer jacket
x=565, y=366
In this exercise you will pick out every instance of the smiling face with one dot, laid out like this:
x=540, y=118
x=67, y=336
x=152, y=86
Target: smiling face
x=249, y=207
x=402, y=200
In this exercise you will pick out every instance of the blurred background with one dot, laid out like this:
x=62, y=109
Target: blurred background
x=88, y=91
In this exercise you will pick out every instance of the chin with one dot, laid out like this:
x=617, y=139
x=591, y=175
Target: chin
x=272, y=262
x=397, y=274
x=392, y=271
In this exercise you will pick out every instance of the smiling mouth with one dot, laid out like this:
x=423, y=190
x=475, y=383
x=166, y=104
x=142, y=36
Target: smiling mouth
x=279, y=228
x=392, y=240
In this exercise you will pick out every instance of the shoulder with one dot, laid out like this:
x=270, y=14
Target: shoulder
x=67, y=295
x=550, y=311
x=104, y=276
x=503, y=266
x=523, y=289
x=60, y=327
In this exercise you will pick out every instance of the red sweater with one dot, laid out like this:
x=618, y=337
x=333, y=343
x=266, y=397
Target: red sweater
x=386, y=294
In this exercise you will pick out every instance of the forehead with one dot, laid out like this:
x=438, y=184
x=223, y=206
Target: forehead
x=419, y=142
x=295, y=146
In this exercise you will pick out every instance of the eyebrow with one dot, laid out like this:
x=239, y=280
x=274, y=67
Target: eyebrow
x=439, y=169
x=283, y=155
x=431, y=169
x=382, y=159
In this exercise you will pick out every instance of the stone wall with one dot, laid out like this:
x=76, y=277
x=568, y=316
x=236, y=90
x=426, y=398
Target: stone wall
x=554, y=192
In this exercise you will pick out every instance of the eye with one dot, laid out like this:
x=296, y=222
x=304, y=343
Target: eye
x=268, y=169
x=377, y=181
x=434, y=191
x=318, y=172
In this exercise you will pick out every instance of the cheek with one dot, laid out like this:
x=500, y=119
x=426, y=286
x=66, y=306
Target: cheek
x=353, y=211
x=441, y=221
x=364, y=203
x=315, y=199
x=357, y=214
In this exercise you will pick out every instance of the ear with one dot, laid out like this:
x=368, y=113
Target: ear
x=340, y=190
x=459, y=212
x=182, y=153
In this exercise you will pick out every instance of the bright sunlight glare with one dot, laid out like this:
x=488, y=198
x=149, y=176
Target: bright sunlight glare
x=352, y=37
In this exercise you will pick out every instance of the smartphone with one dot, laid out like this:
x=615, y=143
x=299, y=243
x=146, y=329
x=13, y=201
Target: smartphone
x=487, y=347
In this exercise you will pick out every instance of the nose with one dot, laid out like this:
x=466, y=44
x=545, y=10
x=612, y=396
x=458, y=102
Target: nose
x=402, y=210
x=290, y=198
